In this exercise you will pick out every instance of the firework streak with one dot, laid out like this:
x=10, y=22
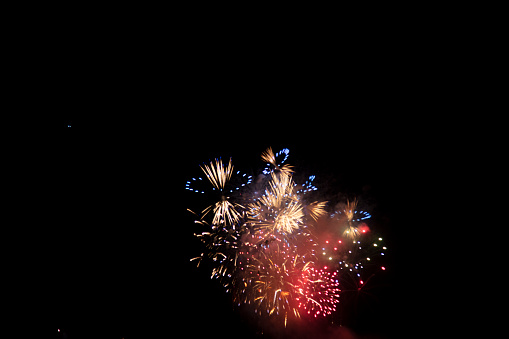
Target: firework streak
x=261, y=240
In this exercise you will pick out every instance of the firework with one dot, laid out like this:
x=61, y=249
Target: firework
x=319, y=292
x=355, y=260
x=218, y=175
x=264, y=250
x=316, y=209
x=279, y=282
x=351, y=213
x=271, y=159
x=350, y=217
x=224, y=210
x=279, y=208
x=276, y=271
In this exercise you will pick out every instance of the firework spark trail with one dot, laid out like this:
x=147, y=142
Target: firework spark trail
x=223, y=210
x=316, y=209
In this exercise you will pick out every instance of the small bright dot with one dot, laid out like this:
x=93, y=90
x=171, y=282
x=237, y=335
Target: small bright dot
x=330, y=258
x=368, y=259
x=375, y=245
x=326, y=241
x=325, y=267
x=383, y=268
x=362, y=282
x=380, y=239
x=59, y=329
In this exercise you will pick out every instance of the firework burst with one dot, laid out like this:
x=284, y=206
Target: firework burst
x=316, y=209
x=218, y=175
x=319, y=293
x=279, y=209
x=265, y=250
x=271, y=159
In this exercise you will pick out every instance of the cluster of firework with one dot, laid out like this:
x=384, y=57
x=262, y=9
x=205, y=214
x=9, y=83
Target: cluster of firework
x=263, y=241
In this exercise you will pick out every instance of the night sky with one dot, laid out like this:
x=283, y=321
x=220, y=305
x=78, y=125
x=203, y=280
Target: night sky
x=116, y=260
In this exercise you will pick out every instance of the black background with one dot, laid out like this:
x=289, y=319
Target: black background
x=121, y=239
x=114, y=261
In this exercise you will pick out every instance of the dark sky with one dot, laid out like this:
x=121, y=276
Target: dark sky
x=121, y=240
x=117, y=258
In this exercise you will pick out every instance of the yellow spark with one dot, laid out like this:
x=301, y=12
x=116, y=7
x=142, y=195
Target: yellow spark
x=351, y=231
x=223, y=210
x=350, y=209
x=279, y=208
x=316, y=209
x=218, y=174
